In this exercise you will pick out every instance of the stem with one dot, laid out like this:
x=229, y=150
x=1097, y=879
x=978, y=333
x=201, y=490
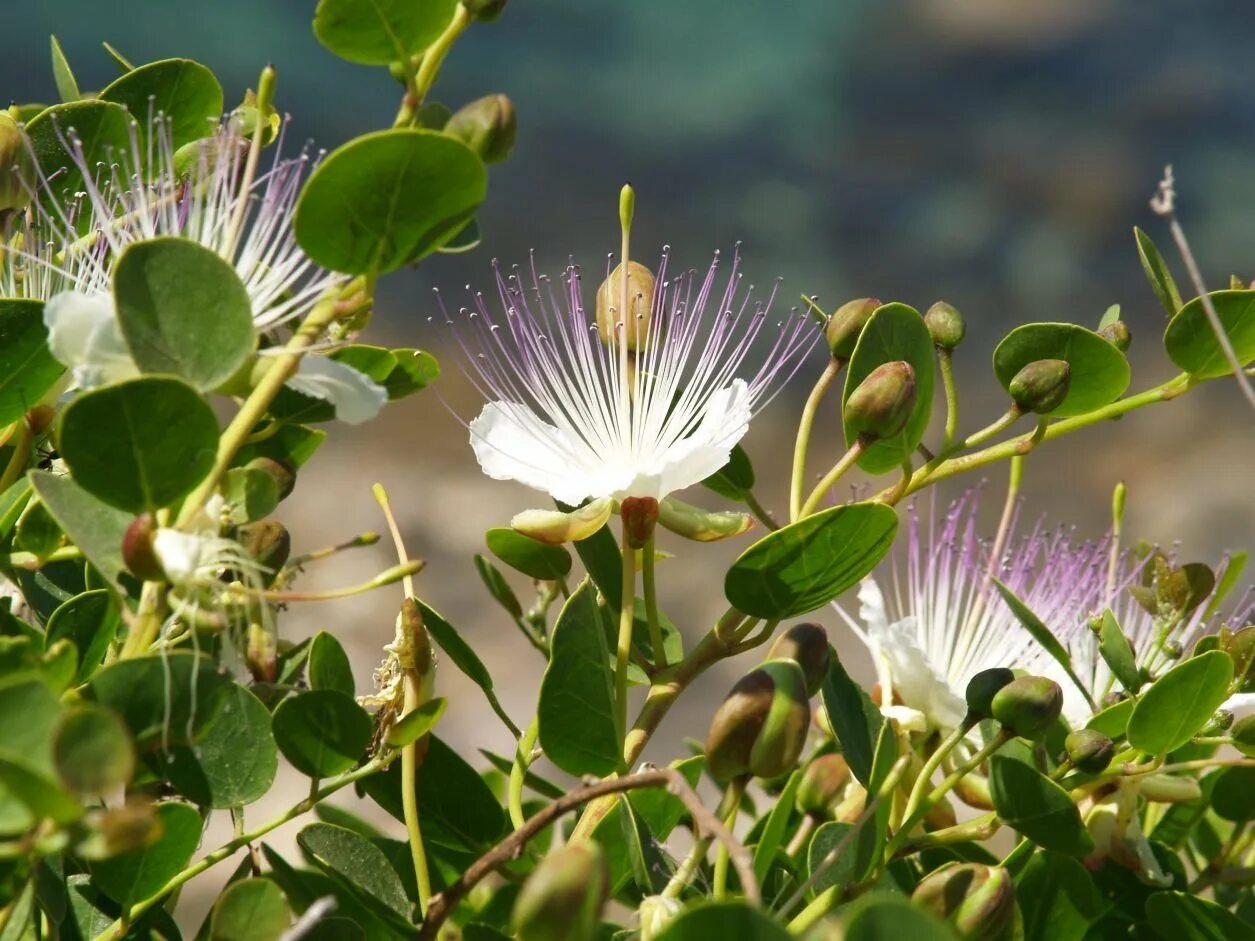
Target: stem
x=147, y=623
x=1117, y=528
x=265, y=94
x=651, y=604
x=847, y=461
x=627, y=611
x=946, y=362
x=817, y=909
x=800, y=836
x=805, y=424
x=21, y=454
x=115, y=931
x=728, y=808
x=920, y=788
x=518, y=772
x=764, y=516
x=434, y=57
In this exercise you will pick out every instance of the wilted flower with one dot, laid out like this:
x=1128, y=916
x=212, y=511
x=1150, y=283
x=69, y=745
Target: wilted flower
x=654, y=408
x=64, y=252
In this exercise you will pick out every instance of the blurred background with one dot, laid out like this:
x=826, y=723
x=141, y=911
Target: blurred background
x=991, y=153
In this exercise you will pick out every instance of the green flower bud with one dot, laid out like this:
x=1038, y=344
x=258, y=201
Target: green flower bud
x=845, y=325
x=978, y=900
x=761, y=727
x=807, y=644
x=1240, y=645
x=1117, y=334
x=945, y=325
x=555, y=527
x=1041, y=386
x=284, y=476
x=486, y=125
x=1169, y=788
x=17, y=167
x=882, y=403
x=640, y=515
x=267, y=541
x=982, y=688
x=823, y=782
x=139, y=551
x=484, y=10
x=700, y=525
x=1219, y=723
x=1028, y=705
x=562, y=899
x=610, y=320
x=1089, y=750
x=1243, y=735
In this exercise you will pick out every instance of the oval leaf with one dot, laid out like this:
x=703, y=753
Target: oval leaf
x=1099, y=372
x=321, y=732
x=808, y=563
x=1037, y=807
x=416, y=723
x=377, y=32
x=183, y=92
x=253, y=909
x=1233, y=794
x=728, y=921
x=1178, y=916
x=329, y=666
x=135, y=875
x=1192, y=345
x=95, y=527
x=27, y=368
x=1172, y=710
x=524, y=554
x=92, y=750
x=103, y=128
x=359, y=863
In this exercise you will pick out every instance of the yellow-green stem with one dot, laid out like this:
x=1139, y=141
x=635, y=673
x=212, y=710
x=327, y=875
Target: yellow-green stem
x=623, y=651
x=923, y=781
x=805, y=424
x=409, y=797
x=265, y=95
x=651, y=603
x=952, y=397
x=21, y=454
x=518, y=772
x=848, y=460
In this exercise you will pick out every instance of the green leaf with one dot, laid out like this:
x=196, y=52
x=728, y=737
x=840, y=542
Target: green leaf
x=329, y=666
x=772, y=836
x=498, y=587
x=884, y=917
x=727, y=921
x=27, y=767
x=1114, y=720
x=95, y=527
x=1233, y=794
x=377, y=32
x=183, y=310
x=854, y=860
x=1057, y=898
x=250, y=493
x=1043, y=635
x=578, y=730
x=735, y=479
x=387, y=199
x=1099, y=372
x=1157, y=272
x=254, y=909
x=533, y=558
x=853, y=717
x=291, y=445
x=1110, y=316
x=322, y=732
x=37, y=531
x=604, y=563
x=894, y=332
x=806, y=564
x=465, y=659
x=62, y=74
x=135, y=875
x=1192, y=345
x=1179, y=703
x=90, y=621
x=360, y=865
x=1118, y=653
x=1037, y=807
x=139, y=445
x=415, y=370
x=417, y=722
x=27, y=369
x=1180, y=916
x=183, y=92
x=92, y=750
x=104, y=131
x=645, y=857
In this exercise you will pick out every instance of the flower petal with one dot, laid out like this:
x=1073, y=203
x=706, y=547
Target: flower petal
x=356, y=397
x=83, y=333
x=914, y=679
x=694, y=458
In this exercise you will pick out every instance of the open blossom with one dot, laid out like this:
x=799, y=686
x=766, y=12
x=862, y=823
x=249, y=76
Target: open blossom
x=934, y=625
x=64, y=252
x=644, y=409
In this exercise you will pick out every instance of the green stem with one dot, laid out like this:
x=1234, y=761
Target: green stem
x=518, y=772
x=409, y=797
x=21, y=454
x=760, y=511
x=920, y=788
x=805, y=424
x=265, y=95
x=817, y=909
x=1023, y=850
x=115, y=931
x=146, y=626
x=952, y=398
x=419, y=83
x=651, y=603
x=623, y=651
x=848, y=460
x=33, y=563
x=728, y=809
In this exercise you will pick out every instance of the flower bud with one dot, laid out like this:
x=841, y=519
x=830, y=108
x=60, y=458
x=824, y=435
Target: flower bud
x=978, y=900
x=640, y=286
x=845, y=325
x=139, y=550
x=806, y=643
x=486, y=125
x=1218, y=724
x=1041, y=386
x=1240, y=645
x=1028, y=705
x=882, y=403
x=761, y=727
x=562, y=899
x=17, y=167
x=945, y=325
x=1169, y=788
x=700, y=525
x=973, y=790
x=822, y=784
x=982, y=688
x=284, y=476
x=656, y=913
x=484, y=10
x=1243, y=735
x=267, y=541
x=640, y=514
x=1117, y=334
x=555, y=527
x=1089, y=750
x=261, y=653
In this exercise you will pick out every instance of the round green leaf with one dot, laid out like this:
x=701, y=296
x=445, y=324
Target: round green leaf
x=415, y=370
x=1191, y=343
x=884, y=917
x=1179, y=916
x=27, y=768
x=387, y=199
x=253, y=909
x=183, y=310
x=524, y=554
x=417, y=722
x=894, y=332
x=141, y=444
x=1037, y=807
x=92, y=750
x=250, y=492
x=806, y=564
x=133, y=876
x=728, y=921
x=94, y=526
x=180, y=90
x=1233, y=795
x=347, y=856
x=90, y=621
x=329, y=666
x=1099, y=372
x=377, y=32
x=27, y=369
x=1172, y=710
x=102, y=128
x=321, y=732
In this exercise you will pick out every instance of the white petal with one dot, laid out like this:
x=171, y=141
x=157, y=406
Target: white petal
x=356, y=397
x=694, y=458
x=1239, y=702
x=83, y=333
x=511, y=442
x=915, y=680
x=871, y=605
x=180, y=554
